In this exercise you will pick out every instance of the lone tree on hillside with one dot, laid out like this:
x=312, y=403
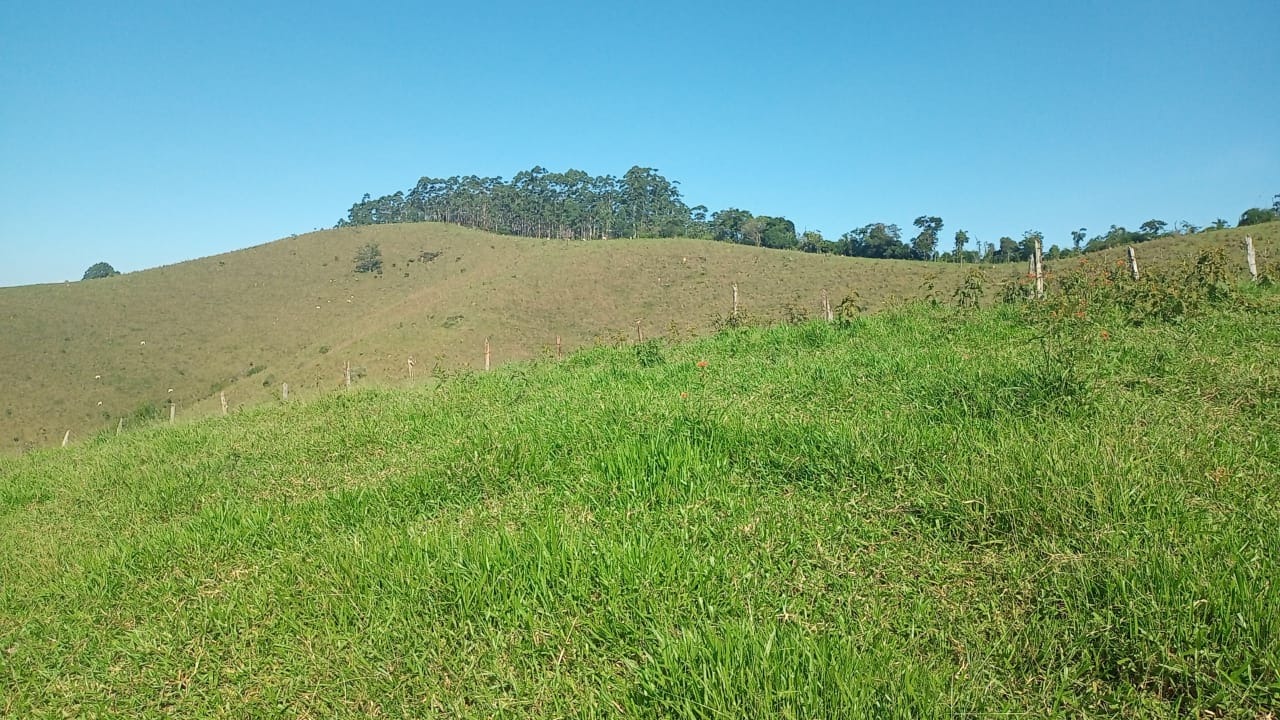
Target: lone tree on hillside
x=1153, y=228
x=369, y=259
x=1077, y=237
x=924, y=245
x=962, y=239
x=99, y=270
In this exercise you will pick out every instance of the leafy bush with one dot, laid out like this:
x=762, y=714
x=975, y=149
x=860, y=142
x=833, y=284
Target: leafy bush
x=368, y=259
x=99, y=270
x=649, y=353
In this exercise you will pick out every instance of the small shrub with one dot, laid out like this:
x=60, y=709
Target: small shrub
x=649, y=353
x=368, y=259
x=849, y=307
x=145, y=413
x=969, y=295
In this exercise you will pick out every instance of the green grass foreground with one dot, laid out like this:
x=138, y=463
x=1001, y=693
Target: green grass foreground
x=924, y=513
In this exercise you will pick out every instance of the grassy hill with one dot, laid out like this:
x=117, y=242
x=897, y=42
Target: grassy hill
x=80, y=356
x=1026, y=510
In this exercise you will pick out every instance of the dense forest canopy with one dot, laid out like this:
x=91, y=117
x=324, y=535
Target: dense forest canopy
x=573, y=205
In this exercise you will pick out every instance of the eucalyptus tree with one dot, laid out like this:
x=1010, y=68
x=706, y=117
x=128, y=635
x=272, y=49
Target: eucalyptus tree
x=962, y=239
x=925, y=244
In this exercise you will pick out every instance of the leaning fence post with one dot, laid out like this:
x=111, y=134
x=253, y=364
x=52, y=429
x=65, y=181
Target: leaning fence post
x=1250, y=257
x=120, y=426
x=1133, y=263
x=66, y=438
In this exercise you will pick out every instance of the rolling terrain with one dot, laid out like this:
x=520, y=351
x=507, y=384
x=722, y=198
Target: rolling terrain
x=1057, y=509
x=82, y=356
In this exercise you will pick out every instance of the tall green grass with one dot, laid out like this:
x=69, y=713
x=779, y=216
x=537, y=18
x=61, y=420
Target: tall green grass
x=925, y=513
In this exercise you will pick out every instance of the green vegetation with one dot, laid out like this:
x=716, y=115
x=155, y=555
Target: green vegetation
x=99, y=270
x=184, y=332
x=368, y=259
x=643, y=203
x=1065, y=508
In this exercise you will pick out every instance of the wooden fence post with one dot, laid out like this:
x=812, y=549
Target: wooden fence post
x=558, y=348
x=410, y=367
x=1133, y=263
x=222, y=396
x=1250, y=257
x=346, y=373
x=1039, y=262
x=120, y=426
x=639, y=333
x=66, y=438
x=173, y=412
x=284, y=392
x=826, y=308
x=735, y=301
x=486, y=354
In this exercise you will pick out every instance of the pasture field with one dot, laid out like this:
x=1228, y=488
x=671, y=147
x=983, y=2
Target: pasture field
x=1062, y=509
x=81, y=356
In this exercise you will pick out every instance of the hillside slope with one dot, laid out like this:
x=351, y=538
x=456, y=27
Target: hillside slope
x=920, y=514
x=81, y=356
x=85, y=354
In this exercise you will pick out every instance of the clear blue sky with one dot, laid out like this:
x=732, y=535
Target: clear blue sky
x=146, y=133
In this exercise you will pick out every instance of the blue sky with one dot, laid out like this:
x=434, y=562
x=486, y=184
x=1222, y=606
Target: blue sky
x=148, y=133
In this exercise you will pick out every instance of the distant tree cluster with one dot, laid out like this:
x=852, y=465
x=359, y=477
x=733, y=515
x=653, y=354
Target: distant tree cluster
x=1257, y=216
x=539, y=203
x=643, y=203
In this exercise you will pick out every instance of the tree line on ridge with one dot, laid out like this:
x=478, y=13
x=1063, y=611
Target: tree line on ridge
x=643, y=203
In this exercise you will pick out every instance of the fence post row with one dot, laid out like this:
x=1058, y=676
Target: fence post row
x=1036, y=268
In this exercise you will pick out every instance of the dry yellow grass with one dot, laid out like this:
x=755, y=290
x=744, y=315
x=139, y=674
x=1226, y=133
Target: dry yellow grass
x=80, y=356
